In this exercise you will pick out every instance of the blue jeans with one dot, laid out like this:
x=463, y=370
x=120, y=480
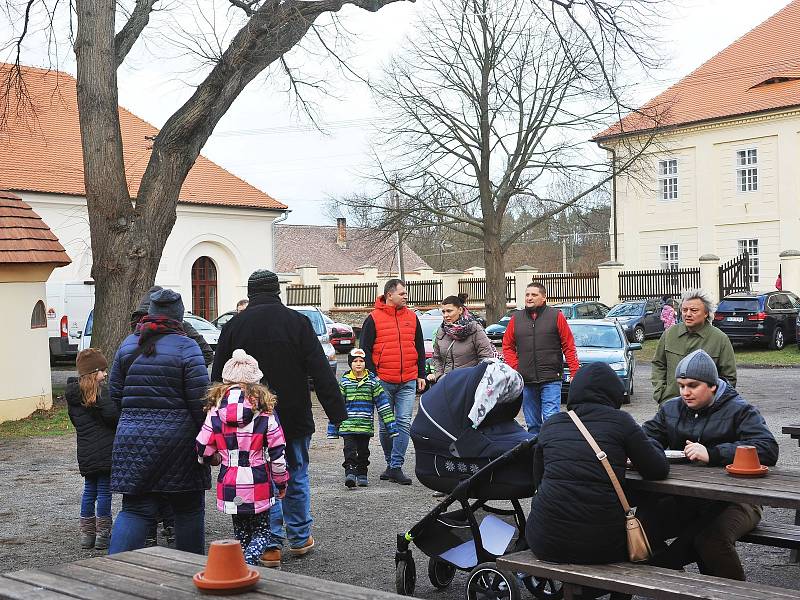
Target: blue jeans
x=294, y=511
x=401, y=397
x=96, y=488
x=140, y=512
x=540, y=401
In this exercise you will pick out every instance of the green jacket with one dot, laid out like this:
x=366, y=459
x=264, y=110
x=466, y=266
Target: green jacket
x=677, y=342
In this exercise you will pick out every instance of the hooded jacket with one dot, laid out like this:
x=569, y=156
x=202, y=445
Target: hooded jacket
x=252, y=448
x=392, y=340
x=94, y=426
x=576, y=517
x=729, y=421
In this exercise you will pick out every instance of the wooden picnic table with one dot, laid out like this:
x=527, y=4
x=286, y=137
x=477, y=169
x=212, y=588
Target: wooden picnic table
x=160, y=573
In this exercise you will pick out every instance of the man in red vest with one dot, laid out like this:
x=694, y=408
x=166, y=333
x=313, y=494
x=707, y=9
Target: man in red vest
x=392, y=340
x=535, y=340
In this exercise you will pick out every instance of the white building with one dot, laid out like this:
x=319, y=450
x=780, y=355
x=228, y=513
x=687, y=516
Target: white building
x=224, y=227
x=723, y=174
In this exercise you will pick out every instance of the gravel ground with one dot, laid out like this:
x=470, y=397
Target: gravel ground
x=355, y=529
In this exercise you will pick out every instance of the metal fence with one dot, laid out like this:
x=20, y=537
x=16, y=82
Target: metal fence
x=570, y=287
x=634, y=285
x=355, y=294
x=475, y=288
x=511, y=288
x=424, y=291
x=303, y=295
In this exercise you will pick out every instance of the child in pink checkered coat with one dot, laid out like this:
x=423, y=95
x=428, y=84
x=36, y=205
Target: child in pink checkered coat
x=242, y=433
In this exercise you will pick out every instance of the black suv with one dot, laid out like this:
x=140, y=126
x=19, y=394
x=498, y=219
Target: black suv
x=767, y=318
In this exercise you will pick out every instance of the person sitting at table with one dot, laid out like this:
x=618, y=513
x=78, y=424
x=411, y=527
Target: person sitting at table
x=707, y=421
x=576, y=516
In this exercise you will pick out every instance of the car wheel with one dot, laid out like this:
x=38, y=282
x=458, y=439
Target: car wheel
x=778, y=341
x=638, y=334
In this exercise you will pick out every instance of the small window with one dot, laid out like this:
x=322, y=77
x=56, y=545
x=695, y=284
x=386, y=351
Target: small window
x=747, y=170
x=751, y=247
x=669, y=257
x=38, y=316
x=668, y=179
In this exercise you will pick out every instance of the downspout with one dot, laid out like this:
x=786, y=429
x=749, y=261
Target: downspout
x=613, y=195
x=280, y=219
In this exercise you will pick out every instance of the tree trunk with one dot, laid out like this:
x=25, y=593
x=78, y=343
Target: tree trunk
x=495, y=276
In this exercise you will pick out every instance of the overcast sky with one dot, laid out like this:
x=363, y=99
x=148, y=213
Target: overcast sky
x=265, y=140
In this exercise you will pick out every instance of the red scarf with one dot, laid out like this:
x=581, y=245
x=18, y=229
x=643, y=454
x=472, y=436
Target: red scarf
x=156, y=325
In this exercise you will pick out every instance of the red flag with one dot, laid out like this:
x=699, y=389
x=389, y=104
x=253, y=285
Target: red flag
x=779, y=280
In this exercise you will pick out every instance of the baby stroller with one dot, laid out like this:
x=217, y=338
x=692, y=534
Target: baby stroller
x=469, y=446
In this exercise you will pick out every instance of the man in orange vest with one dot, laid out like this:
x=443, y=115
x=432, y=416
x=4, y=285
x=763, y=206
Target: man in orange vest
x=392, y=339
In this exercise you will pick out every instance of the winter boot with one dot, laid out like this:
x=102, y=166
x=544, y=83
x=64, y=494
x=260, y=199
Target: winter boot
x=88, y=532
x=103, y=533
x=350, y=480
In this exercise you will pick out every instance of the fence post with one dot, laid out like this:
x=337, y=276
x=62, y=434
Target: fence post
x=327, y=299
x=523, y=276
x=309, y=274
x=370, y=273
x=709, y=275
x=450, y=282
x=476, y=272
x=790, y=270
x=425, y=273
x=608, y=281
x=284, y=285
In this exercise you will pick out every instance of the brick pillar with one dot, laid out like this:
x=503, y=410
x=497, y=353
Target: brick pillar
x=326, y=292
x=790, y=270
x=709, y=275
x=608, y=281
x=522, y=277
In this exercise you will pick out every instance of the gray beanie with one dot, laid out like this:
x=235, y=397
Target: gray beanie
x=698, y=365
x=263, y=282
x=166, y=303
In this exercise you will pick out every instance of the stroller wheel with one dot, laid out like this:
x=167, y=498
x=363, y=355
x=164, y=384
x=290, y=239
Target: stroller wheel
x=543, y=588
x=487, y=582
x=405, y=577
x=440, y=572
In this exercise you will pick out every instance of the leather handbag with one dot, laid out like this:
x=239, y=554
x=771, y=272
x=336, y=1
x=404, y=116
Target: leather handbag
x=638, y=545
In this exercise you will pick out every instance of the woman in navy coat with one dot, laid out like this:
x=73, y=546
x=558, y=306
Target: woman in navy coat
x=159, y=378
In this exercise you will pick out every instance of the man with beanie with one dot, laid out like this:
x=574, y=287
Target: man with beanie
x=535, y=339
x=708, y=421
x=288, y=352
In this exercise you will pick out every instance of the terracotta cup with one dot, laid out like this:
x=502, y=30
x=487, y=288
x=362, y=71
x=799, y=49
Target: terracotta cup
x=225, y=562
x=746, y=458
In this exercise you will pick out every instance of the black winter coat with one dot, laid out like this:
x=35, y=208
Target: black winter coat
x=576, y=517
x=288, y=351
x=730, y=421
x=94, y=426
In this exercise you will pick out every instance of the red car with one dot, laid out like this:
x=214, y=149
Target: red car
x=341, y=335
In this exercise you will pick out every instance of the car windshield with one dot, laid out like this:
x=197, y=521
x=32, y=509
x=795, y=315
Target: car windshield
x=627, y=309
x=740, y=304
x=87, y=331
x=596, y=336
x=200, y=324
x=317, y=322
x=429, y=327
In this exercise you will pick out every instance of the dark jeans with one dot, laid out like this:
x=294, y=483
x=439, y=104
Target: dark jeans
x=705, y=532
x=96, y=489
x=140, y=512
x=165, y=515
x=356, y=454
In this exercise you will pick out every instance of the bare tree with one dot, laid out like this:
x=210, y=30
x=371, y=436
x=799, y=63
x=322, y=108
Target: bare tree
x=489, y=111
x=128, y=236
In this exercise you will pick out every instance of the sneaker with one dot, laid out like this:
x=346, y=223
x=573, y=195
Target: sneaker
x=362, y=480
x=438, y=494
x=350, y=480
x=271, y=558
x=398, y=476
x=304, y=549
x=386, y=476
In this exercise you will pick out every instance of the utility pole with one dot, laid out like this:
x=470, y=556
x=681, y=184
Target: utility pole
x=395, y=199
x=563, y=254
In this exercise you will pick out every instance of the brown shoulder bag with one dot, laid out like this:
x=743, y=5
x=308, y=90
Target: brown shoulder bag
x=638, y=546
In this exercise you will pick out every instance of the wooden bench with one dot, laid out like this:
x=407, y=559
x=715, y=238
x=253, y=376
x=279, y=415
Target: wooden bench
x=780, y=535
x=643, y=580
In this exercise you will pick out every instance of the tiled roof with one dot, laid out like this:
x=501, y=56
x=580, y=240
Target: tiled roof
x=24, y=237
x=298, y=245
x=41, y=152
x=733, y=82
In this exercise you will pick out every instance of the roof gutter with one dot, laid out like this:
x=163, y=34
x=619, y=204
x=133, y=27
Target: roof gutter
x=280, y=219
x=613, y=196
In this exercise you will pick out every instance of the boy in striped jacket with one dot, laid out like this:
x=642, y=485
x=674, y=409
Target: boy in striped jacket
x=362, y=393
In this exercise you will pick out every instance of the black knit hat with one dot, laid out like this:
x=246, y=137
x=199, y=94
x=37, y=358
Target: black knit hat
x=263, y=282
x=166, y=303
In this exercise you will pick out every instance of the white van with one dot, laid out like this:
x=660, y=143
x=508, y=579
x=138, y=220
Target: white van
x=68, y=306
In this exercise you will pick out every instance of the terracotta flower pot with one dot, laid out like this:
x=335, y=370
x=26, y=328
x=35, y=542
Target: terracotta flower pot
x=746, y=459
x=226, y=570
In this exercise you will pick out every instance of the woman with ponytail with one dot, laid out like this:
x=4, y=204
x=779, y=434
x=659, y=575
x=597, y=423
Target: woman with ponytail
x=460, y=341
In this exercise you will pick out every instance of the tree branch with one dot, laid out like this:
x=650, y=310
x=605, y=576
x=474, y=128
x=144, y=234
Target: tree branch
x=130, y=32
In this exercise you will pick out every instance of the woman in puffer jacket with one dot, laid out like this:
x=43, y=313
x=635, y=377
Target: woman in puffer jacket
x=159, y=379
x=576, y=517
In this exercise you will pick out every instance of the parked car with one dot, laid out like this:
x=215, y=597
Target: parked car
x=769, y=318
x=342, y=337
x=317, y=318
x=223, y=318
x=496, y=331
x=640, y=319
x=603, y=341
x=583, y=310
x=429, y=326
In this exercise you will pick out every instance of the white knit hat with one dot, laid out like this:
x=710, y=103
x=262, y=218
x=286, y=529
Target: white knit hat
x=241, y=368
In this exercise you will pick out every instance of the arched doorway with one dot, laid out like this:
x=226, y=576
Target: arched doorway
x=204, y=288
